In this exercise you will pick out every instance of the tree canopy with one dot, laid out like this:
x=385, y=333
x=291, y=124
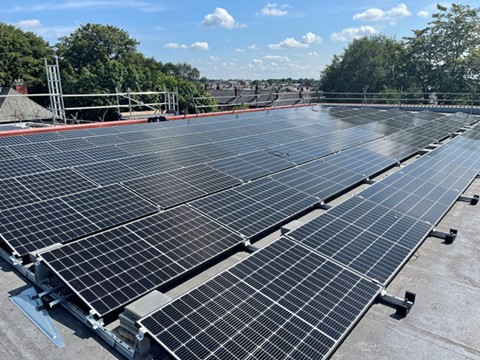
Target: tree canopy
x=23, y=56
x=443, y=57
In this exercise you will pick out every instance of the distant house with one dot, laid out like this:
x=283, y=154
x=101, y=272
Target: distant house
x=15, y=108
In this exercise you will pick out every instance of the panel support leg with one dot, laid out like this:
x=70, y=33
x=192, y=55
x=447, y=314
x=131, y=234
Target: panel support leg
x=402, y=306
x=473, y=200
x=448, y=237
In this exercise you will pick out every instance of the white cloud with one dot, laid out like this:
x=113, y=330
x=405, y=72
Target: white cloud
x=392, y=15
x=200, y=45
x=220, y=18
x=311, y=38
x=277, y=58
x=175, y=46
x=273, y=10
x=313, y=54
x=239, y=50
x=26, y=24
x=257, y=61
x=290, y=42
x=353, y=33
x=214, y=58
x=423, y=14
x=253, y=47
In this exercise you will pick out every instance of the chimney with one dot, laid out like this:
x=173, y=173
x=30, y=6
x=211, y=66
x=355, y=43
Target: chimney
x=20, y=86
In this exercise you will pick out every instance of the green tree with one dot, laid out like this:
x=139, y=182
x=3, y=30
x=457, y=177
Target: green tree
x=23, y=56
x=443, y=57
x=102, y=58
x=371, y=62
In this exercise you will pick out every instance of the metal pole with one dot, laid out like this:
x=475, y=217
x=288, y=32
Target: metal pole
x=129, y=102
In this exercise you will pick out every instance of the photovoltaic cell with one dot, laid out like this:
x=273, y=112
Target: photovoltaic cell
x=55, y=183
x=65, y=159
x=282, y=302
x=21, y=166
x=115, y=267
x=255, y=207
x=37, y=225
x=108, y=172
x=13, y=194
x=365, y=237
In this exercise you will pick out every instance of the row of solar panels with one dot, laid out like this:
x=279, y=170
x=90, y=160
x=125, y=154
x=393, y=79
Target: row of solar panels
x=249, y=210
x=38, y=192
x=298, y=297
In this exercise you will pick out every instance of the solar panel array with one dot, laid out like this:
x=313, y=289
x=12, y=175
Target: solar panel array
x=252, y=310
x=240, y=178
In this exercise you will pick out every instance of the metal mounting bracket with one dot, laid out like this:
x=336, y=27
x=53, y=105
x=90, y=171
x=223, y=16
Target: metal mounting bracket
x=142, y=345
x=402, y=306
x=473, y=200
x=93, y=321
x=370, y=182
x=448, y=237
x=323, y=206
x=46, y=292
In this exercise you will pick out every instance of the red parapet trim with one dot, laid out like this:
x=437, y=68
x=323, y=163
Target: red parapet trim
x=29, y=131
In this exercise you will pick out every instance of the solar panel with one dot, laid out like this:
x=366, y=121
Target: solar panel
x=5, y=153
x=72, y=144
x=251, y=165
x=55, y=183
x=181, y=185
x=37, y=225
x=164, y=189
x=108, y=172
x=365, y=237
x=22, y=166
x=103, y=153
x=255, y=207
x=417, y=198
x=112, y=268
x=149, y=164
x=13, y=193
x=60, y=160
x=33, y=149
x=284, y=301
x=13, y=140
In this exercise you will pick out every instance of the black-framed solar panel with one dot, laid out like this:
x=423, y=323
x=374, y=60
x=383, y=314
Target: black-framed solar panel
x=165, y=190
x=236, y=145
x=138, y=148
x=110, y=205
x=236, y=167
x=212, y=151
x=431, y=206
x=55, y=183
x=31, y=149
x=181, y=185
x=149, y=164
x=255, y=207
x=282, y=302
x=77, y=133
x=72, y=144
x=34, y=226
x=134, y=136
x=13, y=194
x=182, y=157
x=6, y=153
x=37, y=225
x=108, y=172
x=65, y=159
x=22, y=166
x=102, y=140
x=365, y=237
x=113, y=268
x=44, y=136
x=205, y=178
x=13, y=140
x=104, y=153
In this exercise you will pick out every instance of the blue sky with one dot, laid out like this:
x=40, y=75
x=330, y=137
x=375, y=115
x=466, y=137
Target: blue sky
x=230, y=39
